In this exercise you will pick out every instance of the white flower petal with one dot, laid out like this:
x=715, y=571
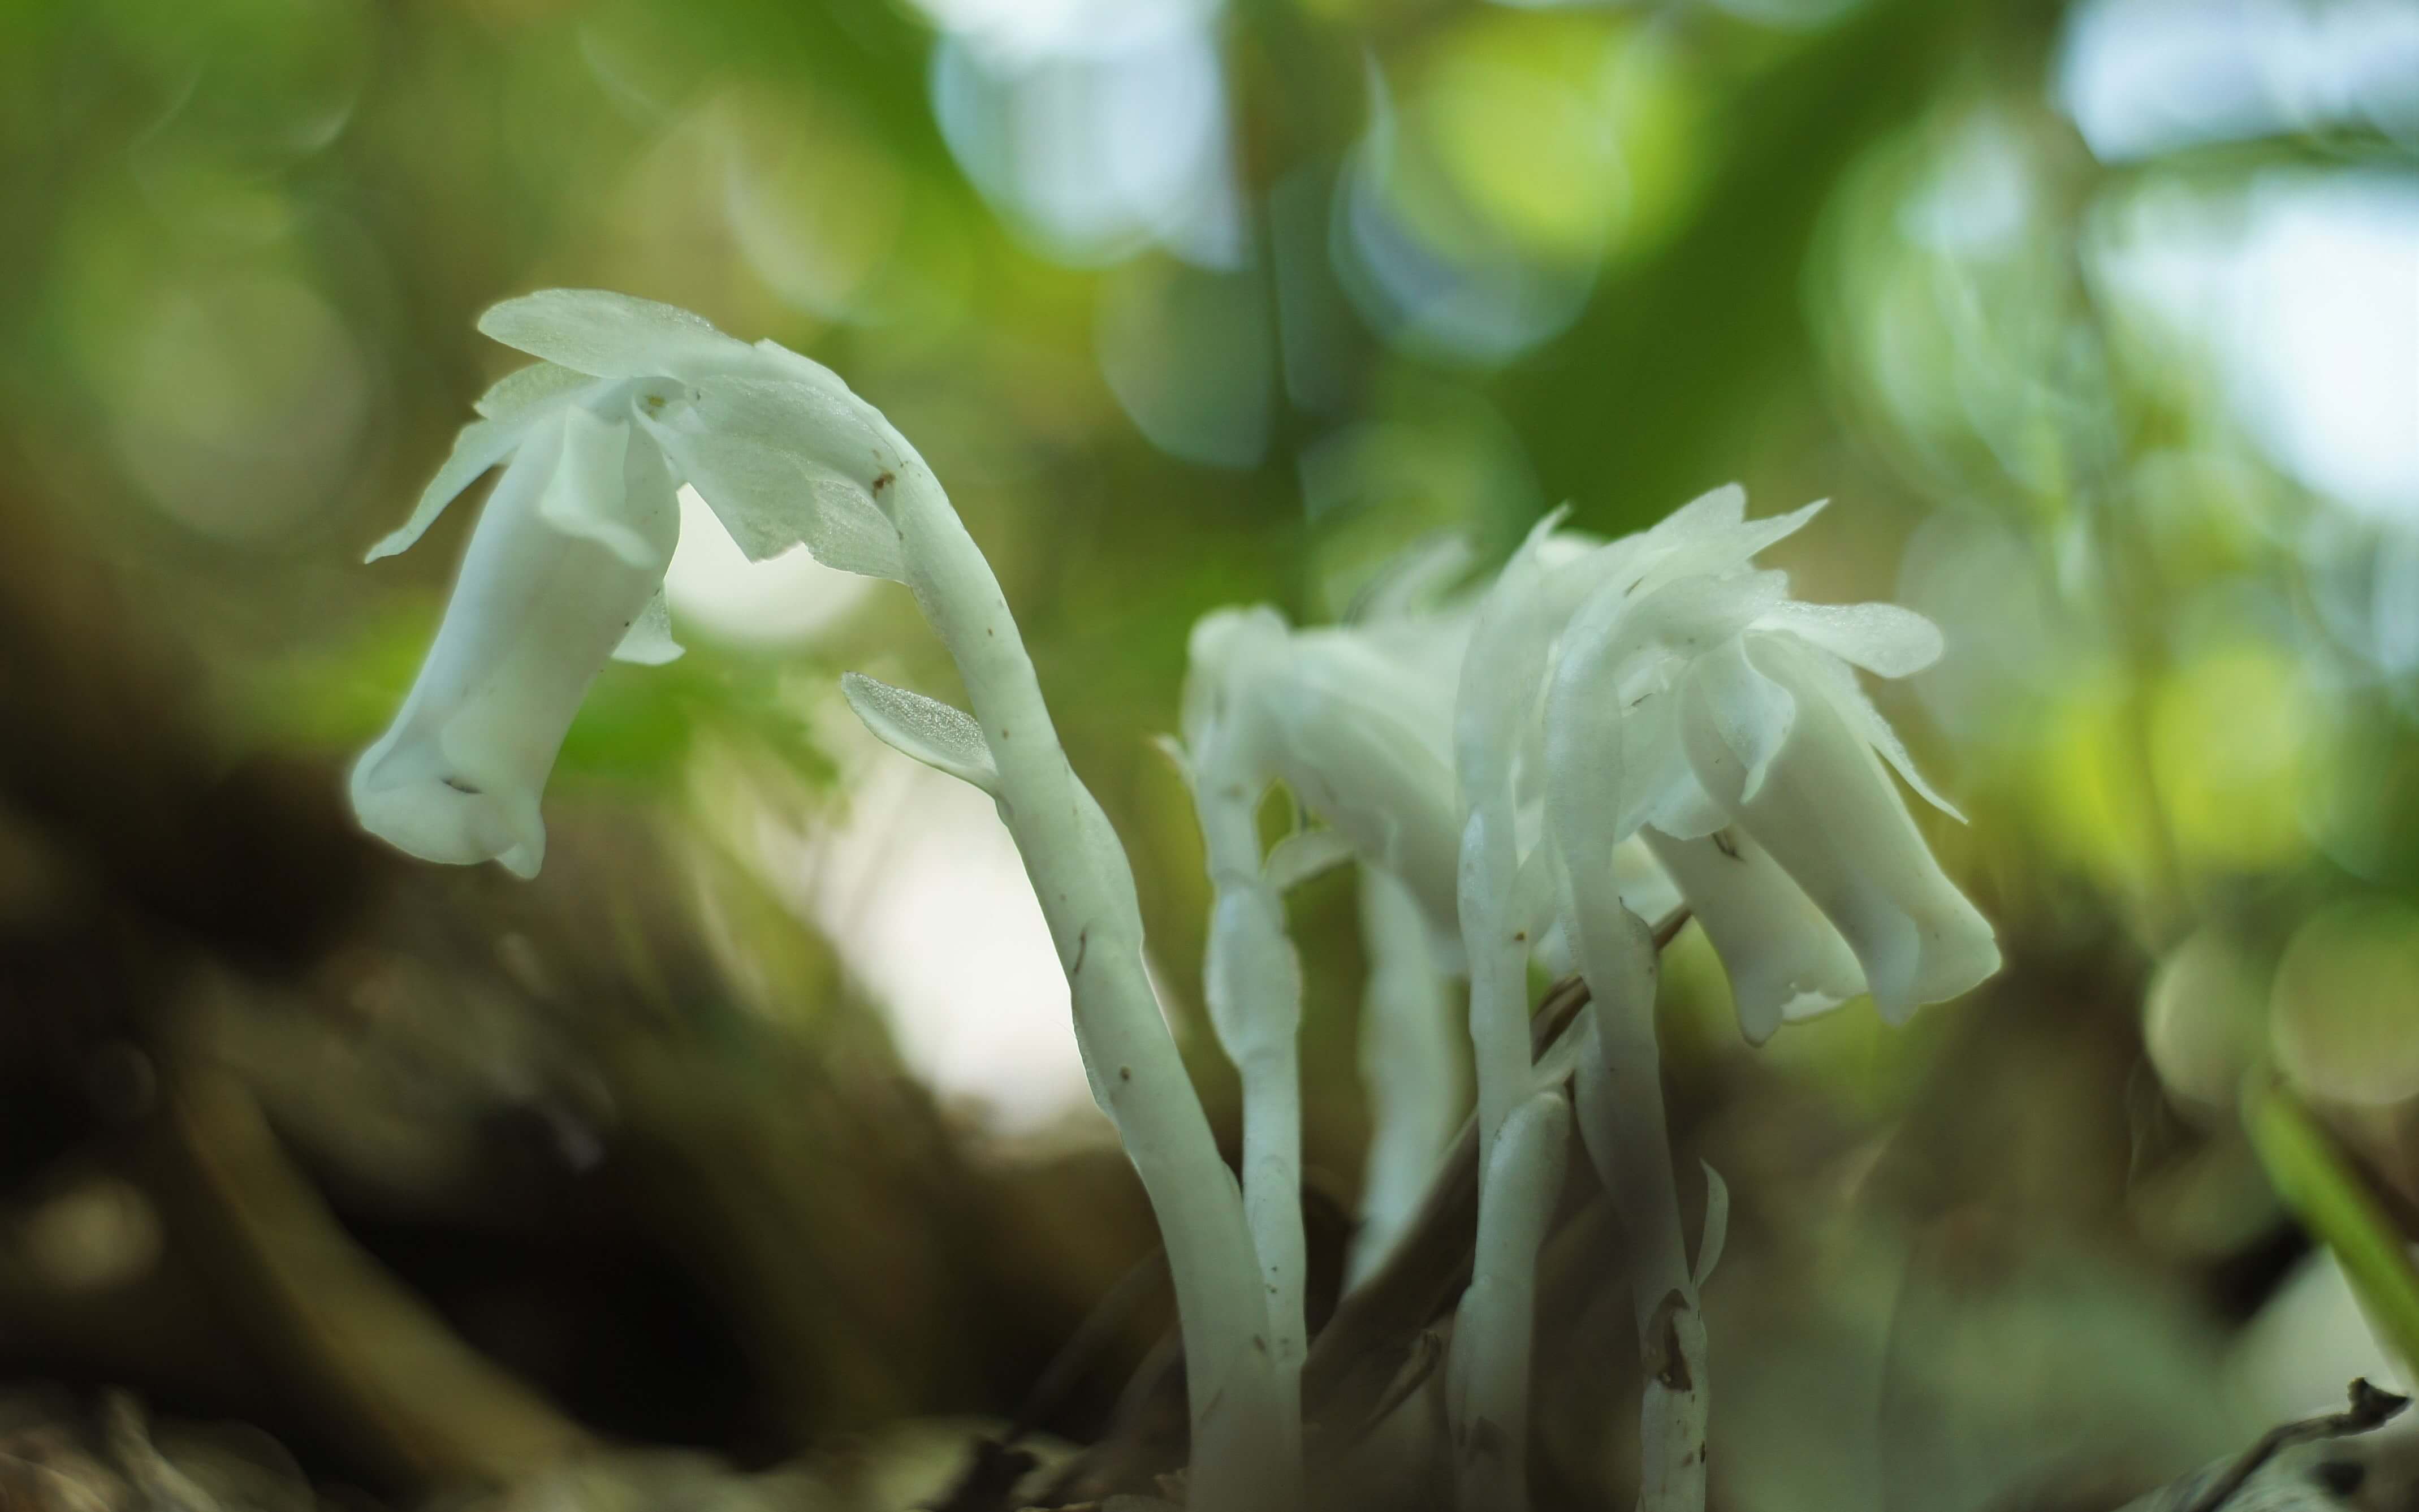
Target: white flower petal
x=1883, y=639
x=1783, y=958
x=480, y=445
x=526, y=388
x=825, y=424
x=1752, y=714
x=1684, y=617
x=533, y=617
x=774, y=361
x=650, y=643
x=589, y=495
x=771, y=498
x=1713, y=513
x=1829, y=815
x=1503, y=672
x=611, y=335
x=1849, y=696
x=940, y=735
x=1715, y=553
x=1369, y=774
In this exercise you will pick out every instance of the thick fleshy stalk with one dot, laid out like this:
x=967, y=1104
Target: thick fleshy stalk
x=1495, y=1328
x=1079, y=871
x=1619, y=1077
x=1501, y=674
x=1252, y=982
x=1407, y=1069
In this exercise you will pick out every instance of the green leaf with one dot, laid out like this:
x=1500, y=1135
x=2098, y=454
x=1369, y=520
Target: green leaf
x=2333, y=1200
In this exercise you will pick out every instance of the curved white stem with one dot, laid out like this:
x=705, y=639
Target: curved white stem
x=1619, y=1076
x=1252, y=982
x=1240, y=1430
x=1494, y=1329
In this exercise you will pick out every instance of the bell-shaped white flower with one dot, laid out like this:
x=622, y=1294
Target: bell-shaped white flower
x=538, y=609
x=1794, y=762
x=565, y=567
x=1727, y=728
x=1355, y=719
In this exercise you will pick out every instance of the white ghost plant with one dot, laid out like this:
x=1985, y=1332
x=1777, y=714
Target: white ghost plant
x=1500, y=766
x=1692, y=701
x=632, y=398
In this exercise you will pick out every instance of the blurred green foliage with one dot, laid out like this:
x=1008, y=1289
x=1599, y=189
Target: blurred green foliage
x=1193, y=304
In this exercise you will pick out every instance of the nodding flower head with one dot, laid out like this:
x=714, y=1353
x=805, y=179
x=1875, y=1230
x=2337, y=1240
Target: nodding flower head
x=565, y=567
x=1697, y=704
x=1355, y=719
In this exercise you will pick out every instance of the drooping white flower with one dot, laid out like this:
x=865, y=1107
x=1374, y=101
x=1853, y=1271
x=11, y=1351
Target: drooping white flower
x=1354, y=719
x=1696, y=704
x=565, y=567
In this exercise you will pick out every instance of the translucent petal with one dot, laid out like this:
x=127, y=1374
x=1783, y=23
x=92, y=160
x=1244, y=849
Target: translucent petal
x=481, y=445
x=1504, y=670
x=1718, y=1225
x=611, y=335
x=1712, y=512
x=770, y=499
x=1366, y=772
x=938, y=735
x=1783, y=957
x=1688, y=616
x=1752, y=714
x=526, y=388
x=827, y=425
x=1831, y=818
x=776, y=361
x=534, y=614
x=1844, y=690
x=1711, y=552
x=589, y=495
x=1883, y=639
x=650, y=643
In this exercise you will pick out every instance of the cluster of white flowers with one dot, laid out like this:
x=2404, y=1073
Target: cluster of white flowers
x=1601, y=729
x=1522, y=769
x=632, y=398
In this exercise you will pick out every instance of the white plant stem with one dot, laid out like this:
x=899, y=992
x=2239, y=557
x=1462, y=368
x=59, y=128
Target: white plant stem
x=1241, y=1431
x=1273, y=1205
x=1622, y=1124
x=1500, y=675
x=1253, y=985
x=1498, y=947
x=1619, y=1076
x=1496, y=1326
x=1407, y=1066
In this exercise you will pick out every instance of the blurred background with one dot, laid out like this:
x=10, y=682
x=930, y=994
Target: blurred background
x=750, y=1140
